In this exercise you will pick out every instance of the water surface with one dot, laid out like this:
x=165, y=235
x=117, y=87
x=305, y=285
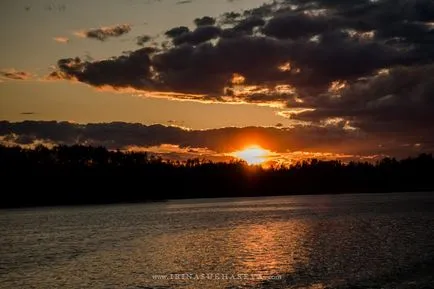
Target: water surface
x=328, y=241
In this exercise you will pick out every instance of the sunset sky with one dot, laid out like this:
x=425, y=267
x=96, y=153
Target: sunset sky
x=328, y=78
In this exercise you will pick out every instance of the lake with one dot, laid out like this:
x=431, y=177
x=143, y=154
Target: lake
x=325, y=241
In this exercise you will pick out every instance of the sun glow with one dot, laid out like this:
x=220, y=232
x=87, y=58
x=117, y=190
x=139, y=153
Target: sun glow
x=253, y=155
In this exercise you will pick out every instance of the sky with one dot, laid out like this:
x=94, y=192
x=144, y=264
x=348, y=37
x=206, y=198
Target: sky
x=327, y=78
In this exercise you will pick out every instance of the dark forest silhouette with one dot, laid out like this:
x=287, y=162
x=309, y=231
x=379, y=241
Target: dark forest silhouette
x=69, y=175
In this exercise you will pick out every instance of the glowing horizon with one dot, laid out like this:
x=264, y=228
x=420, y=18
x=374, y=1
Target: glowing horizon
x=253, y=154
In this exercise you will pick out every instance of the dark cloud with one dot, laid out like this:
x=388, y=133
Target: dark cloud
x=104, y=33
x=122, y=135
x=359, y=64
x=131, y=70
x=28, y=113
x=245, y=26
x=119, y=135
x=230, y=17
x=199, y=35
x=144, y=39
x=14, y=74
x=296, y=25
x=203, y=21
x=398, y=102
x=319, y=39
x=207, y=69
x=177, y=31
x=264, y=10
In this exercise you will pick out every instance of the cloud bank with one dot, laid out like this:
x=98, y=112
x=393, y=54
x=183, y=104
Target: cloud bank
x=328, y=139
x=364, y=65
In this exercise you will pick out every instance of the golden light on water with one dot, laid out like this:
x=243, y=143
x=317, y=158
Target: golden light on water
x=253, y=155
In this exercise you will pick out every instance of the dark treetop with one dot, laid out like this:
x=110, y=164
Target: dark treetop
x=69, y=175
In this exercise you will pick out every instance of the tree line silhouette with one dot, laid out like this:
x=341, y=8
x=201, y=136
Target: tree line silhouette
x=70, y=175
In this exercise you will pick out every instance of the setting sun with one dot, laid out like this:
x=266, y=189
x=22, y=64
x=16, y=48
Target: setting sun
x=253, y=155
